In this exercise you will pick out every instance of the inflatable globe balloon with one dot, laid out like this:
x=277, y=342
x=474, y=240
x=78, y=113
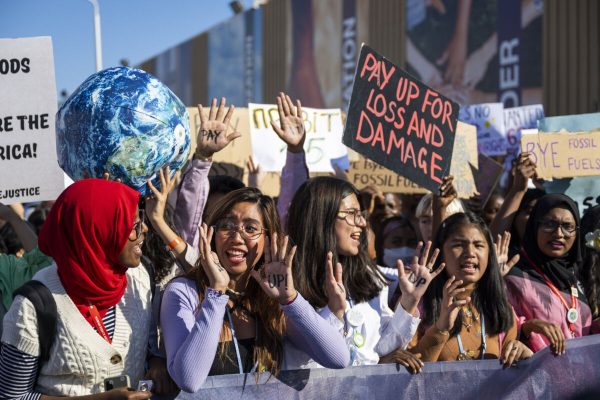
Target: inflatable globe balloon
x=125, y=122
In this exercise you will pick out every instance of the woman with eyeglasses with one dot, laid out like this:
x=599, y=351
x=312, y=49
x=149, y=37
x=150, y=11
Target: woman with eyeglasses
x=94, y=234
x=544, y=287
x=327, y=225
x=239, y=309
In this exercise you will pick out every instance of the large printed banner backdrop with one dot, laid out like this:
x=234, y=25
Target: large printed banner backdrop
x=542, y=377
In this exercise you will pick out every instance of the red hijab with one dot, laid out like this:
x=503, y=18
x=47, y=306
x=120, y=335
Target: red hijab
x=85, y=233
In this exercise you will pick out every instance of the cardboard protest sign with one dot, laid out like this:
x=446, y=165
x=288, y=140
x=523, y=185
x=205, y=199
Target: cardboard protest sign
x=29, y=168
x=464, y=159
x=489, y=120
x=365, y=172
x=399, y=122
x=564, y=154
x=487, y=177
x=323, y=137
x=584, y=190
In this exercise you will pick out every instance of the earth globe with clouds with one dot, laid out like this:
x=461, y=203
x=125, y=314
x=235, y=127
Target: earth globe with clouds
x=125, y=122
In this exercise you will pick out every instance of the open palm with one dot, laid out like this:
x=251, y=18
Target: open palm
x=291, y=124
x=213, y=134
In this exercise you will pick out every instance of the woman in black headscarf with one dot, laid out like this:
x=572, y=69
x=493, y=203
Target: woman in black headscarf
x=544, y=287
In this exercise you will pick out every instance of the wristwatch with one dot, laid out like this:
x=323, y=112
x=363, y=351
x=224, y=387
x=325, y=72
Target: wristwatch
x=213, y=294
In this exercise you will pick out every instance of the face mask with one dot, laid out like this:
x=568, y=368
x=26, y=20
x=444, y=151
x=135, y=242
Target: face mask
x=398, y=253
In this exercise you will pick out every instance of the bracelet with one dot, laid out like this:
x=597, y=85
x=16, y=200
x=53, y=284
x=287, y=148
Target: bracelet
x=198, y=156
x=291, y=301
x=174, y=243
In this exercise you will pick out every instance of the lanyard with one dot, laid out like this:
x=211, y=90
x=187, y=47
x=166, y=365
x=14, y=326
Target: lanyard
x=483, y=343
x=571, y=311
x=100, y=328
x=235, y=344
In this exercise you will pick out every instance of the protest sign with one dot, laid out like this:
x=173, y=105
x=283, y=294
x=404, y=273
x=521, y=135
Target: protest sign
x=489, y=120
x=365, y=172
x=564, y=154
x=543, y=376
x=584, y=190
x=487, y=177
x=29, y=168
x=399, y=122
x=323, y=137
x=464, y=159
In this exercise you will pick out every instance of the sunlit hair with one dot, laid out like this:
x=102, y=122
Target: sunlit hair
x=590, y=269
x=489, y=296
x=311, y=225
x=269, y=320
x=424, y=208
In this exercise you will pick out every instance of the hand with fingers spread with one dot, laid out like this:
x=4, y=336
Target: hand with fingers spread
x=414, y=284
x=525, y=169
x=513, y=351
x=291, y=123
x=275, y=276
x=502, y=244
x=412, y=362
x=334, y=287
x=213, y=134
x=155, y=206
x=256, y=175
x=218, y=277
x=451, y=304
x=552, y=332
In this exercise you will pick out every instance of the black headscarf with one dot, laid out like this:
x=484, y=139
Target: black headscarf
x=561, y=271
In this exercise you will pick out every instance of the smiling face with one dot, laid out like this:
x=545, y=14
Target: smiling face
x=237, y=253
x=131, y=255
x=466, y=253
x=347, y=234
x=556, y=243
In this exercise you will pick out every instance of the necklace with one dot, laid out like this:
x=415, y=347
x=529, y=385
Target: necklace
x=467, y=313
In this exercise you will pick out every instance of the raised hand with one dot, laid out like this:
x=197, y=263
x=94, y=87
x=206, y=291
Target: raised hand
x=514, y=350
x=553, y=332
x=275, y=276
x=218, y=277
x=256, y=175
x=501, y=246
x=155, y=206
x=414, y=284
x=525, y=170
x=291, y=124
x=334, y=287
x=412, y=362
x=447, y=192
x=213, y=134
x=450, y=304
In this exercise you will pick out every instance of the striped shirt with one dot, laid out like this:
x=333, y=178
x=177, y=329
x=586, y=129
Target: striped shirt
x=18, y=370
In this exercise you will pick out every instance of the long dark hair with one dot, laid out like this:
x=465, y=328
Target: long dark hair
x=311, y=226
x=155, y=253
x=489, y=297
x=590, y=268
x=269, y=320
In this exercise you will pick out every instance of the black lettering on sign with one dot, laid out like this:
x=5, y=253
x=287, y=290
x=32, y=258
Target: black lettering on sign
x=14, y=66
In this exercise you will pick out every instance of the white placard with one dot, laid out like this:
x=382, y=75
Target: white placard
x=29, y=168
x=489, y=120
x=323, y=142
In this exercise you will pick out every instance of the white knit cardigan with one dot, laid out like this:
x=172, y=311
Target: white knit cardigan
x=80, y=359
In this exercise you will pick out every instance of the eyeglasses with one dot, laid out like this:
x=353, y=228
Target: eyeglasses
x=356, y=216
x=248, y=231
x=549, y=226
x=138, y=226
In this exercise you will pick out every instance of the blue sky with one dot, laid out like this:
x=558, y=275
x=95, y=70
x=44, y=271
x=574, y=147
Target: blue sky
x=133, y=29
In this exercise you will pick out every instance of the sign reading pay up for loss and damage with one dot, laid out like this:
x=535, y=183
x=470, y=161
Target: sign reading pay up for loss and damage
x=564, y=154
x=399, y=122
x=29, y=168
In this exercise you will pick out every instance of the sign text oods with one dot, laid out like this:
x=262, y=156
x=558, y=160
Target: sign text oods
x=400, y=122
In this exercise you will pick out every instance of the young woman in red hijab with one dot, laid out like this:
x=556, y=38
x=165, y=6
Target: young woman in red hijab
x=94, y=234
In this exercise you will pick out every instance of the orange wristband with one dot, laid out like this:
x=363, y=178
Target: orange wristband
x=171, y=246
